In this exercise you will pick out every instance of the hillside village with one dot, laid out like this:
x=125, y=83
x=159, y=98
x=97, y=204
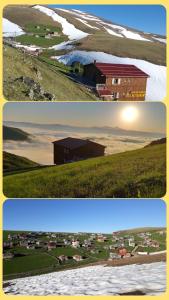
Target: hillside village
x=66, y=250
x=54, y=44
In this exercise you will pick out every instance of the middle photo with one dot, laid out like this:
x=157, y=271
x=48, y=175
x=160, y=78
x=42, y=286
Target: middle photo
x=81, y=150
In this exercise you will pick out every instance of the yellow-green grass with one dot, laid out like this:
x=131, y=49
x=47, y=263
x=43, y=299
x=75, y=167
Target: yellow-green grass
x=139, y=173
x=53, y=79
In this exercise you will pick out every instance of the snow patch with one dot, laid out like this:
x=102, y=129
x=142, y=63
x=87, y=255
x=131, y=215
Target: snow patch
x=68, y=29
x=97, y=280
x=160, y=40
x=11, y=29
x=125, y=32
x=156, y=84
x=87, y=24
x=112, y=32
x=63, y=46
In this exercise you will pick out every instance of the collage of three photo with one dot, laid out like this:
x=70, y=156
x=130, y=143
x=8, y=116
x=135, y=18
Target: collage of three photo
x=84, y=160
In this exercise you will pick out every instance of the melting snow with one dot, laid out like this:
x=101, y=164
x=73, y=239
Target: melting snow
x=156, y=84
x=68, y=28
x=11, y=29
x=125, y=32
x=87, y=24
x=62, y=46
x=96, y=280
x=160, y=40
x=112, y=32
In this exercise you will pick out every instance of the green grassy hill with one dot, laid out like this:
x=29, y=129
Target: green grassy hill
x=50, y=75
x=100, y=40
x=12, y=163
x=15, y=134
x=29, y=262
x=139, y=173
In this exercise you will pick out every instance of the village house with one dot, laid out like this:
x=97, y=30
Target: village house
x=117, y=81
x=51, y=245
x=75, y=244
x=77, y=257
x=62, y=258
x=72, y=149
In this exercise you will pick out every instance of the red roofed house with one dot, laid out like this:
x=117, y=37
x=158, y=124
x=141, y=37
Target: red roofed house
x=117, y=81
x=72, y=149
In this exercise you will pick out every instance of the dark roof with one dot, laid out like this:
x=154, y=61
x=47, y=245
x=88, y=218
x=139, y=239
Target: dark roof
x=120, y=70
x=73, y=143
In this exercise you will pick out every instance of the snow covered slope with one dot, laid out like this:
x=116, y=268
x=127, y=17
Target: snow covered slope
x=11, y=29
x=97, y=280
x=68, y=29
x=156, y=84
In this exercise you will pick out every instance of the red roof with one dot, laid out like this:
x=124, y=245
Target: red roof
x=120, y=70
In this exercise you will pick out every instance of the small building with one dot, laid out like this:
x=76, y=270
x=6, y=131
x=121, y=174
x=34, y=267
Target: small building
x=77, y=257
x=117, y=81
x=122, y=252
x=75, y=244
x=62, y=258
x=51, y=245
x=72, y=149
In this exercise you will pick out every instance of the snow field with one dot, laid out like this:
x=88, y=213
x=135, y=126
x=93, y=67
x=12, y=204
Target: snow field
x=97, y=280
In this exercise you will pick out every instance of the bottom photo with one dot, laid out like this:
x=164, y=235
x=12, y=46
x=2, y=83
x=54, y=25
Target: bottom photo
x=84, y=247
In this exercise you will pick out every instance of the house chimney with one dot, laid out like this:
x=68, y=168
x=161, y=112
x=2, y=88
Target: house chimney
x=94, y=61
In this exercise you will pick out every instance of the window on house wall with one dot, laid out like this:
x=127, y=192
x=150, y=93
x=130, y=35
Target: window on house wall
x=116, y=81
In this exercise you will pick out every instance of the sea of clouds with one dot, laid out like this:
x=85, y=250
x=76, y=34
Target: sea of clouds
x=40, y=147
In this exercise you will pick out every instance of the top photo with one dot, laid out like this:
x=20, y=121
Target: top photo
x=84, y=52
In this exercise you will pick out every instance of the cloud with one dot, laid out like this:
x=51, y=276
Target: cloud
x=40, y=149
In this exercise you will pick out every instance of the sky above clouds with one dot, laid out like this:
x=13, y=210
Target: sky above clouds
x=149, y=116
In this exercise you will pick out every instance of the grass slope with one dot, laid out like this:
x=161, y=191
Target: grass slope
x=15, y=134
x=23, y=15
x=12, y=162
x=54, y=79
x=139, y=173
x=28, y=262
x=100, y=40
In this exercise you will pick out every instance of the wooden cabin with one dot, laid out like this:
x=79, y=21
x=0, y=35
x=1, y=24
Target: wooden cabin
x=117, y=81
x=72, y=149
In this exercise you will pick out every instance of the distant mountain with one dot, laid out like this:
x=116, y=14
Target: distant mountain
x=15, y=134
x=12, y=162
x=141, y=229
x=70, y=128
x=87, y=32
x=157, y=142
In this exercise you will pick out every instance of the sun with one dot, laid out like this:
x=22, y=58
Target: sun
x=129, y=114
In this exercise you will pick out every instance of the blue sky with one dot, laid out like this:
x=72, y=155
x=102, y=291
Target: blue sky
x=149, y=18
x=82, y=215
x=150, y=117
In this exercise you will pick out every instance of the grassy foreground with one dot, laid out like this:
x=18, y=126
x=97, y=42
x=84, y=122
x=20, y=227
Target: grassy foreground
x=53, y=78
x=139, y=173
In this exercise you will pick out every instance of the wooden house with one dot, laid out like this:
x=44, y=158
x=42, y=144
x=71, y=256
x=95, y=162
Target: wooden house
x=117, y=81
x=72, y=149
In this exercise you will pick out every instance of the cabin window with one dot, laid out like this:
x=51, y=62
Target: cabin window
x=116, y=81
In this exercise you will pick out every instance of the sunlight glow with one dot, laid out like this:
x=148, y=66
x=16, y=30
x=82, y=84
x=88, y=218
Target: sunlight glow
x=129, y=114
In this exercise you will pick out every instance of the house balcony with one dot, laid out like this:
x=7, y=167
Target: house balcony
x=100, y=86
